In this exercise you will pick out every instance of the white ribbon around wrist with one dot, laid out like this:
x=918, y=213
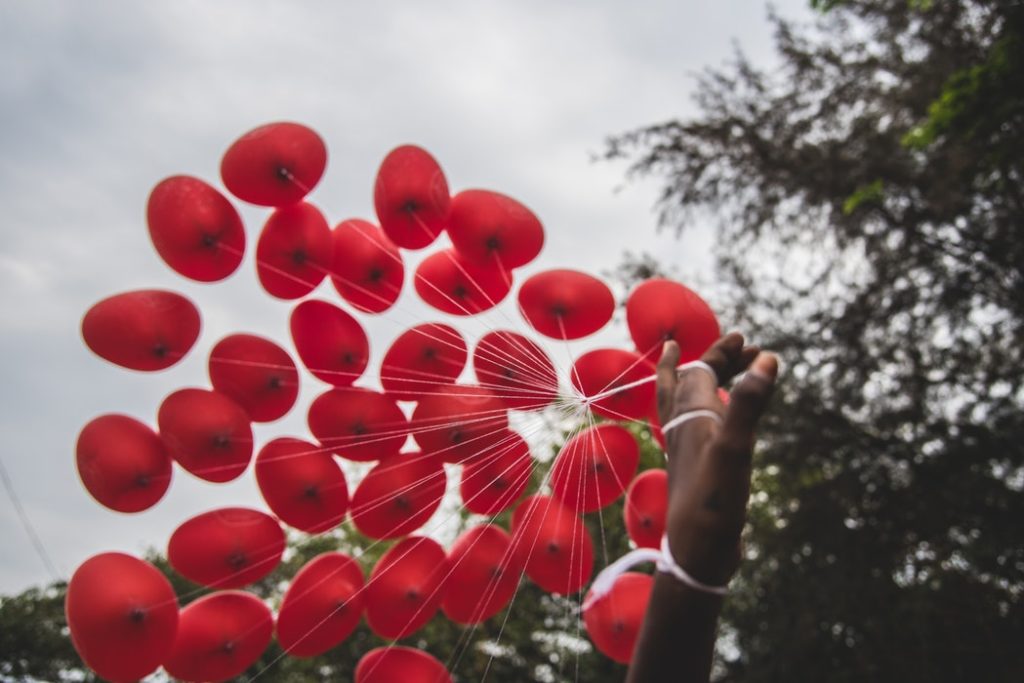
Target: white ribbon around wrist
x=662, y=559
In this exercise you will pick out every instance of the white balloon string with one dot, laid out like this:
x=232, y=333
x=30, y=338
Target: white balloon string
x=367, y=583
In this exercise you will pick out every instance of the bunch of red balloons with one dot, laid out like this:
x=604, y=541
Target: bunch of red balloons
x=123, y=615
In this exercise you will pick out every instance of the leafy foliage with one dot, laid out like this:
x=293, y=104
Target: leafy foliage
x=872, y=231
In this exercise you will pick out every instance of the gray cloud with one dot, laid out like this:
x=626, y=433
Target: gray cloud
x=102, y=100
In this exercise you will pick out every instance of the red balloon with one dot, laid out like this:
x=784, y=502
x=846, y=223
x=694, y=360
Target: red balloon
x=206, y=433
x=551, y=541
x=367, y=269
x=148, y=329
x=613, y=621
x=276, y=164
x=422, y=359
x=494, y=481
x=226, y=548
x=516, y=370
x=358, y=424
x=411, y=197
x=594, y=467
x=398, y=495
x=453, y=285
x=322, y=606
x=566, y=304
x=220, y=636
x=598, y=375
x=484, y=575
x=390, y=664
x=256, y=373
x=646, y=508
x=330, y=342
x=123, y=615
x=406, y=587
x=122, y=463
x=491, y=229
x=459, y=422
x=195, y=229
x=294, y=252
x=302, y=485
x=660, y=309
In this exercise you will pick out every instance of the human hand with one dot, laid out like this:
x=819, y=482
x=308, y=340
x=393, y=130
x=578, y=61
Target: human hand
x=709, y=460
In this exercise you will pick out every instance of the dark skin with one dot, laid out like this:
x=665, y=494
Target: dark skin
x=709, y=485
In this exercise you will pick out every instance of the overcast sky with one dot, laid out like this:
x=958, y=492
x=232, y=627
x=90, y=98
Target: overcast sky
x=101, y=100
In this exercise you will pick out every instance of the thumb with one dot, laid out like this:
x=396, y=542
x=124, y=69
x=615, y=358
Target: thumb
x=747, y=403
x=666, y=386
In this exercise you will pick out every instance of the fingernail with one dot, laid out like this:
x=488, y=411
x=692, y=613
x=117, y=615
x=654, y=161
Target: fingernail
x=765, y=366
x=666, y=346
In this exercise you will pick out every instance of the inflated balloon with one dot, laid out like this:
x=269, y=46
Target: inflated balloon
x=257, y=374
x=484, y=575
x=491, y=229
x=206, y=433
x=122, y=463
x=613, y=621
x=516, y=370
x=459, y=422
x=303, y=486
x=660, y=309
x=594, y=467
x=646, y=508
x=599, y=375
x=367, y=269
x=398, y=495
x=358, y=424
x=322, y=606
x=406, y=587
x=411, y=197
x=226, y=548
x=220, y=636
x=294, y=251
x=494, y=481
x=551, y=541
x=123, y=616
x=195, y=229
x=330, y=342
x=421, y=359
x=566, y=304
x=405, y=664
x=450, y=283
x=148, y=329
x=274, y=165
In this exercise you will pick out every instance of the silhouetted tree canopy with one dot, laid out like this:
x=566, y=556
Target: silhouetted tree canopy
x=867, y=198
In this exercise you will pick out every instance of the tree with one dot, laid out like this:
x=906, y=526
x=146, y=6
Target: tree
x=870, y=223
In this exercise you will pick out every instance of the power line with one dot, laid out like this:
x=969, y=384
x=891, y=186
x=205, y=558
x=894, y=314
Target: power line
x=37, y=542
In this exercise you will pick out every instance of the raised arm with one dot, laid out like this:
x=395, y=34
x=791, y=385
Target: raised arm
x=709, y=452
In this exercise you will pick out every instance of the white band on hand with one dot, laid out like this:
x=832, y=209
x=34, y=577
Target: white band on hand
x=690, y=415
x=697, y=364
x=662, y=559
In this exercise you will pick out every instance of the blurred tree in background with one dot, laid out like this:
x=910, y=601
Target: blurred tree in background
x=868, y=201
